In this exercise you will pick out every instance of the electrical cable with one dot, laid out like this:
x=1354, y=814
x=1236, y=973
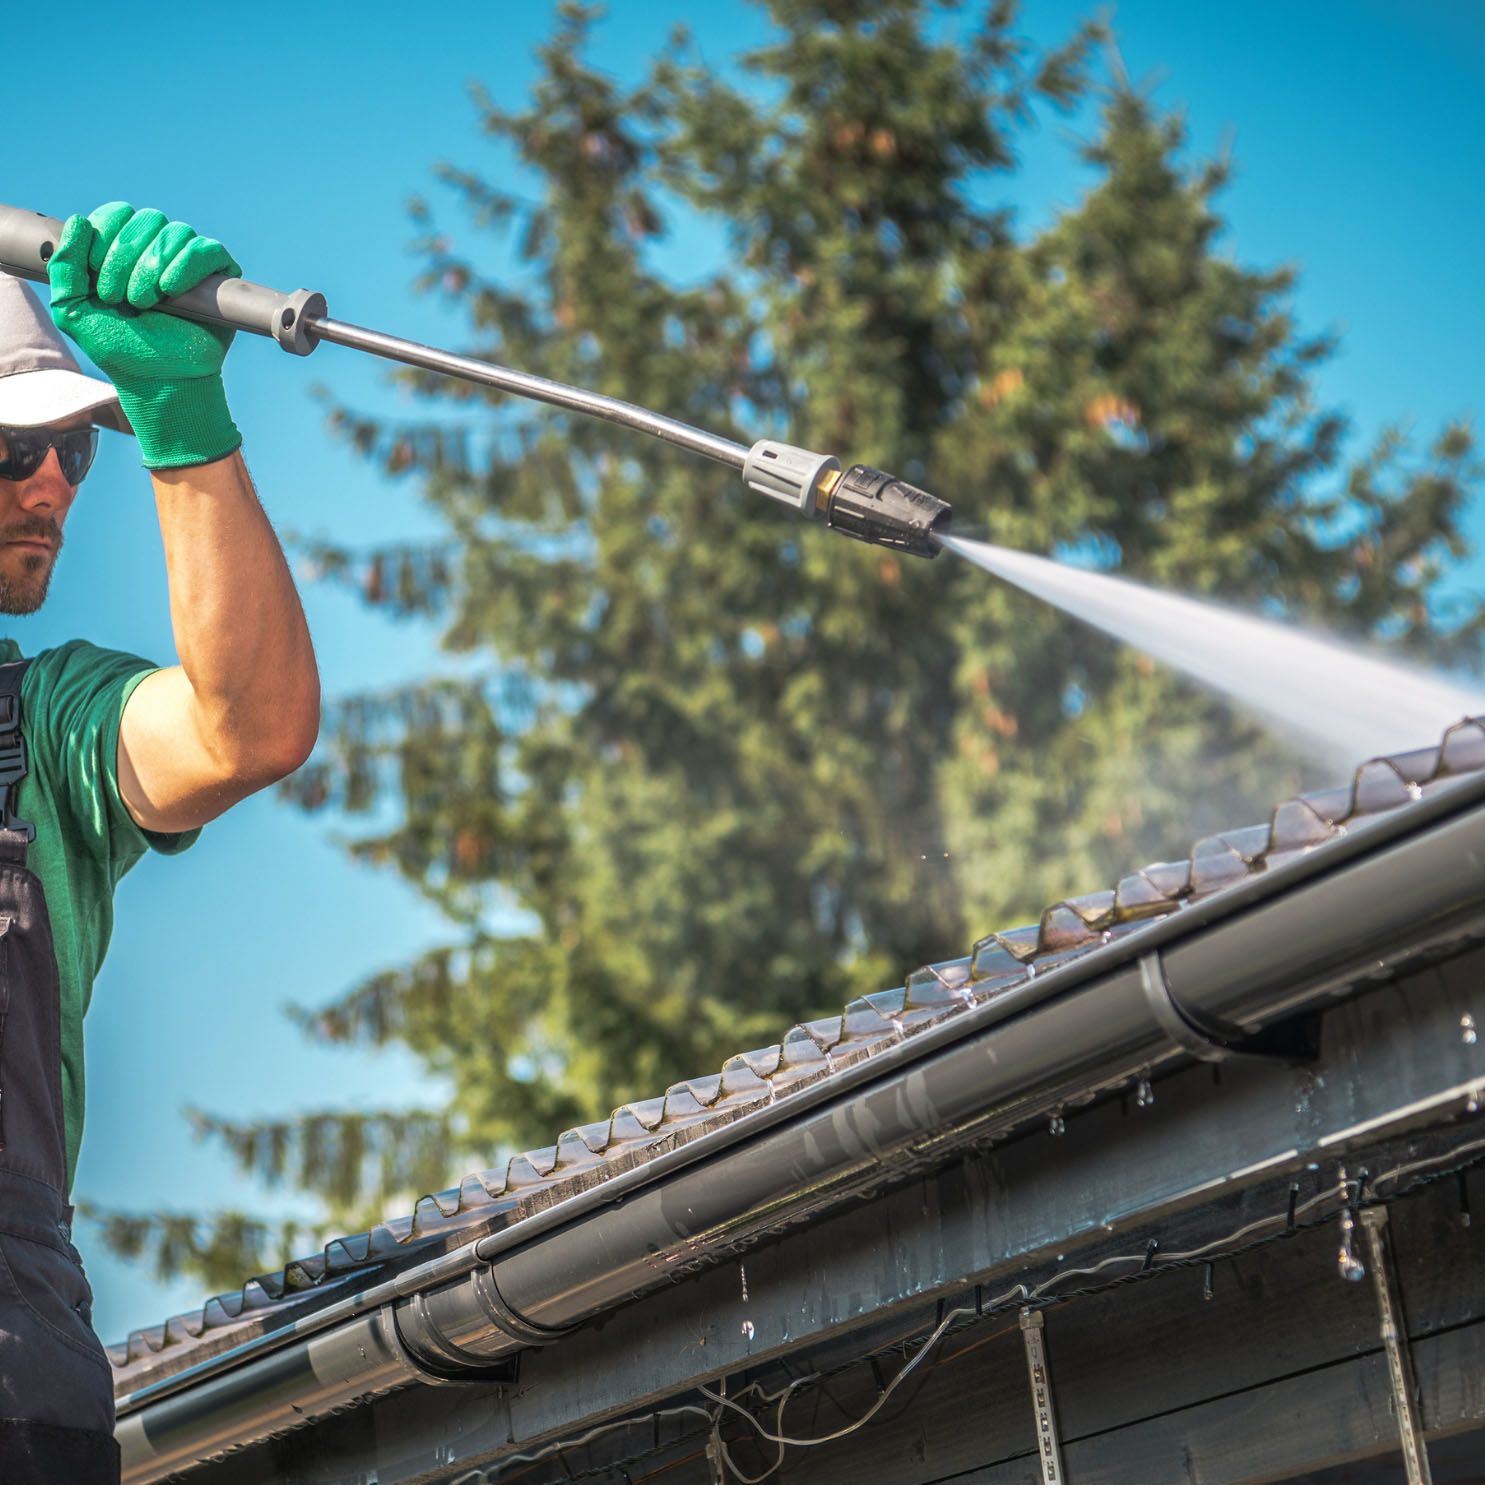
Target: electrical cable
x=721, y=1444
x=1417, y=1174
x=482, y=1477
x=829, y=1438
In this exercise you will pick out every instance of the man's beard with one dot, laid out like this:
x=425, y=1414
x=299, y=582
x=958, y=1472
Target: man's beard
x=26, y=594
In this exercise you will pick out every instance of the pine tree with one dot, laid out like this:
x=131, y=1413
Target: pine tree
x=735, y=769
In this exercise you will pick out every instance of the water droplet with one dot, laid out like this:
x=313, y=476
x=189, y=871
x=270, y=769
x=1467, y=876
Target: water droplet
x=747, y=1329
x=1468, y=1033
x=742, y=1274
x=1057, y=1125
x=1472, y=1105
x=1144, y=1094
x=1352, y=1268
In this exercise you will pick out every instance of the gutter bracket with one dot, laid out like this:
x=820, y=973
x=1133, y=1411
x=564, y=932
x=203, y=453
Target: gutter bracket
x=508, y=1319
x=1394, y=1331
x=439, y=1361
x=1295, y=1041
x=1044, y=1414
x=420, y=1339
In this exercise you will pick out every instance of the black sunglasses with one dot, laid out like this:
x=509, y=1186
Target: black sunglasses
x=23, y=451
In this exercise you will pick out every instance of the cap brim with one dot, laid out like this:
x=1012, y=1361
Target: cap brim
x=31, y=398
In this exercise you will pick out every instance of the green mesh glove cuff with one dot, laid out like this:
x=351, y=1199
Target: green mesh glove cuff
x=180, y=423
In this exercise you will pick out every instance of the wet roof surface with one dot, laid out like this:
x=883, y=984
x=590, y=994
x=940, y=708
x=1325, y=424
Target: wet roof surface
x=488, y=1200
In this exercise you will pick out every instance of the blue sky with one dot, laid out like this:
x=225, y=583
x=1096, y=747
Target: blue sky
x=1355, y=129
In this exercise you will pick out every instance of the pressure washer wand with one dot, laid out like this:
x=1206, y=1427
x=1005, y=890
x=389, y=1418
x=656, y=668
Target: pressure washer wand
x=860, y=502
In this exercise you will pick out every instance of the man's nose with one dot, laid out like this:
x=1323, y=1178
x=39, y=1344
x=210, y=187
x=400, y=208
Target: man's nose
x=47, y=491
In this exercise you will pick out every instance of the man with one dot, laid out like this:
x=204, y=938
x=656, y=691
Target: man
x=103, y=755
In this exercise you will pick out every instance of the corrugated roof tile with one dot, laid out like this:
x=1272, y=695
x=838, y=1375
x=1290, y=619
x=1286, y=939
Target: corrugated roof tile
x=763, y=1060
x=483, y=1188
x=1062, y=928
x=991, y=960
x=307, y=1272
x=889, y=1003
x=799, y=1047
x=1216, y=869
x=221, y=1309
x=183, y=1328
x=389, y=1235
x=681, y=1104
x=1419, y=764
x=1380, y=786
x=1138, y=896
x=1251, y=843
x=1096, y=909
x=1334, y=805
x=649, y=1111
x=523, y=1171
x=1020, y=943
x=827, y=1031
x=628, y=1129
x=1297, y=825
x=740, y=1081
x=706, y=1091
x=863, y=1021
x=574, y=1152
x=1463, y=748
x=348, y=1252
x=595, y=1136
x=932, y=986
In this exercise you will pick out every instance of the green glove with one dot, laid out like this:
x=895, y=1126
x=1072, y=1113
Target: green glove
x=110, y=268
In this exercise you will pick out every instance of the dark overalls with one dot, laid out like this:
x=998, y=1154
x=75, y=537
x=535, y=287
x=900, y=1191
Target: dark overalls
x=56, y=1386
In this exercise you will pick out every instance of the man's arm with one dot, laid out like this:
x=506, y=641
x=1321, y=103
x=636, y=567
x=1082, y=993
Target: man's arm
x=242, y=709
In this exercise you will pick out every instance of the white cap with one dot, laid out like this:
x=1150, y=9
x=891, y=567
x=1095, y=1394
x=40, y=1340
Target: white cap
x=40, y=381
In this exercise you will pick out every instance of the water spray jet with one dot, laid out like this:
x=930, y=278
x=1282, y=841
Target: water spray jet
x=1346, y=705
x=863, y=503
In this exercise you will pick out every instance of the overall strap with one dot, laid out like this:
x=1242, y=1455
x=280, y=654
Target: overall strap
x=15, y=833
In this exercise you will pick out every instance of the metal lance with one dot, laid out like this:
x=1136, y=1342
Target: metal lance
x=861, y=502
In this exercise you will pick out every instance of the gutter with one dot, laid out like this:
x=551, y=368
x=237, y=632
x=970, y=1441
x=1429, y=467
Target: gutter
x=1224, y=977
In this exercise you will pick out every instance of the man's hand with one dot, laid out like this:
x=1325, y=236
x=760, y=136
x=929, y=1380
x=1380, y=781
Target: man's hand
x=109, y=271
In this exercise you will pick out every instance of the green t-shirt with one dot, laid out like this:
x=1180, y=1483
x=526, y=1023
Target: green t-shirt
x=72, y=699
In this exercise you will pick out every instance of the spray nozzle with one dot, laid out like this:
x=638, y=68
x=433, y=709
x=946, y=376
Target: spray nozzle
x=865, y=503
x=875, y=506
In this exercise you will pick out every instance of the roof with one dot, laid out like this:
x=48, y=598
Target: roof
x=814, y=1051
